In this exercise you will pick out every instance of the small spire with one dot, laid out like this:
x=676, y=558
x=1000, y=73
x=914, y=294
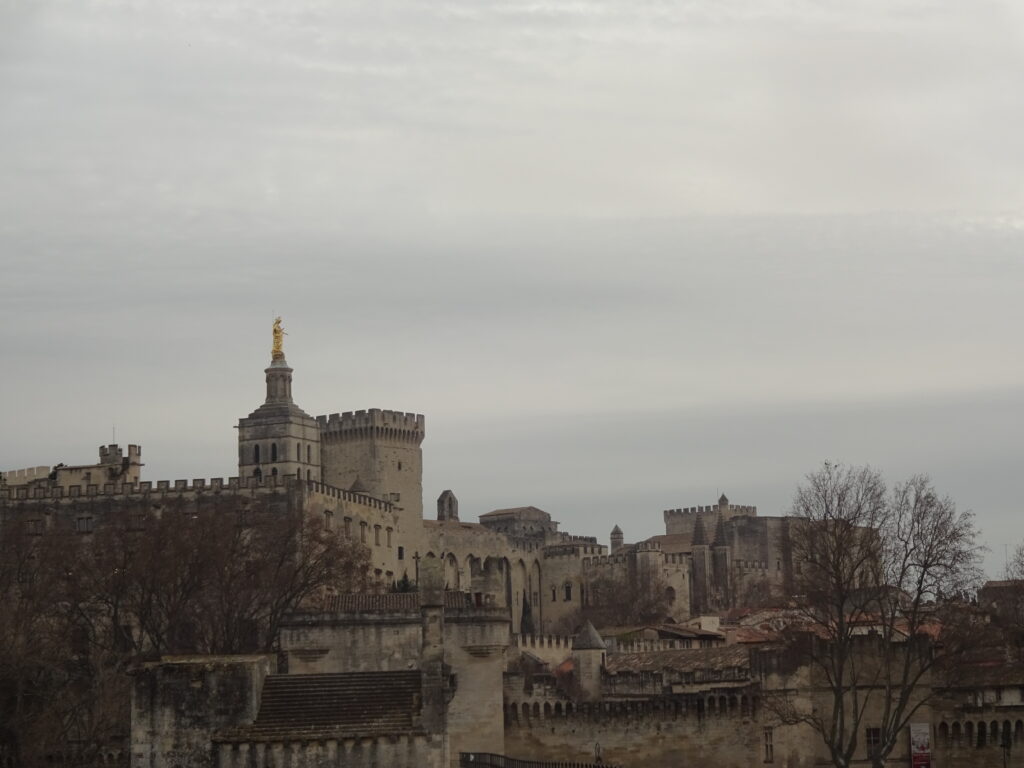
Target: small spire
x=588, y=639
x=723, y=501
x=616, y=529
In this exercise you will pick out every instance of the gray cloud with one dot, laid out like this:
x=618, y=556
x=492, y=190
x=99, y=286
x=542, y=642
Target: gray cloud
x=621, y=254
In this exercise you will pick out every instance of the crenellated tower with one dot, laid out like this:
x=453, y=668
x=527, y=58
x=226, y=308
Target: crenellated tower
x=382, y=450
x=279, y=438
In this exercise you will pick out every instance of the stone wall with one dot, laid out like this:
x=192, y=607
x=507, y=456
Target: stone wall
x=398, y=751
x=655, y=739
x=178, y=703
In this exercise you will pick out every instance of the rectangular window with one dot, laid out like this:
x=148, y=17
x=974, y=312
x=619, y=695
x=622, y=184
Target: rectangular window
x=568, y=592
x=33, y=527
x=348, y=527
x=83, y=525
x=362, y=533
x=872, y=740
x=138, y=521
x=396, y=497
x=389, y=538
x=376, y=535
x=328, y=519
x=401, y=553
x=769, y=745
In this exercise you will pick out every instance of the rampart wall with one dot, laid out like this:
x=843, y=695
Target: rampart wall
x=660, y=733
x=27, y=475
x=551, y=649
x=417, y=750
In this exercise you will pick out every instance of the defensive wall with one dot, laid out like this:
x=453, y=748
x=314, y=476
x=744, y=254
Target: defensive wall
x=402, y=750
x=27, y=475
x=665, y=732
x=551, y=649
x=85, y=509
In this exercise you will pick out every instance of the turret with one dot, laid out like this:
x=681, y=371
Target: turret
x=447, y=506
x=616, y=539
x=588, y=652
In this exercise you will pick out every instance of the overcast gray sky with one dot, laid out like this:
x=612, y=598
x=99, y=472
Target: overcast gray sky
x=624, y=254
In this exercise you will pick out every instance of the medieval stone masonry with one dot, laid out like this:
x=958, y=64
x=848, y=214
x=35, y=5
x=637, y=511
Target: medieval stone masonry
x=489, y=656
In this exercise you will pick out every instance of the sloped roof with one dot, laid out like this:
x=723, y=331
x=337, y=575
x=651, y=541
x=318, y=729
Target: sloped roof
x=588, y=639
x=350, y=704
x=686, y=660
x=528, y=513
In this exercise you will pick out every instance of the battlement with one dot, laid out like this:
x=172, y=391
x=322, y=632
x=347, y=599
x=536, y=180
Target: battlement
x=729, y=510
x=731, y=706
x=114, y=453
x=528, y=642
x=339, y=493
x=604, y=560
x=573, y=550
x=648, y=546
x=647, y=645
x=580, y=539
x=266, y=484
x=373, y=423
x=22, y=476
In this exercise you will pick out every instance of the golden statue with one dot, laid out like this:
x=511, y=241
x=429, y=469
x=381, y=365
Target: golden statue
x=277, y=351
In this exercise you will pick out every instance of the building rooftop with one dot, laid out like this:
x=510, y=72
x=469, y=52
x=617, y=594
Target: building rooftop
x=524, y=513
x=686, y=660
x=588, y=639
x=321, y=706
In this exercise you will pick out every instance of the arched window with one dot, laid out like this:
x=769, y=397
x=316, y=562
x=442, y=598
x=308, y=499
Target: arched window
x=274, y=471
x=256, y=454
x=273, y=451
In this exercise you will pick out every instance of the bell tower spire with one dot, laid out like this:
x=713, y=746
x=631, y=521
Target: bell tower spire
x=279, y=438
x=279, y=375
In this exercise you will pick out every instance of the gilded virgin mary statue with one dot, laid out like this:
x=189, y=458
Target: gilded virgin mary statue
x=277, y=351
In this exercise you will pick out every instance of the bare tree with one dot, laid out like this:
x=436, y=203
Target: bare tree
x=877, y=570
x=76, y=610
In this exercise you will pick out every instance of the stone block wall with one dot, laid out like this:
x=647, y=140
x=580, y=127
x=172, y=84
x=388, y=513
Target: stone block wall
x=397, y=751
x=178, y=704
x=659, y=738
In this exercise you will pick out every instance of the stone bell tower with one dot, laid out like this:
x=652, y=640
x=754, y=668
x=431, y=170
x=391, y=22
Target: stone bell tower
x=278, y=438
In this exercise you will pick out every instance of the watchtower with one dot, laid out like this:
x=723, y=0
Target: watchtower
x=380, y=449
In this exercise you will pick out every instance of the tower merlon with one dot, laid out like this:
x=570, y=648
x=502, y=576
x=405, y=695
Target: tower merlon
x=373, y=417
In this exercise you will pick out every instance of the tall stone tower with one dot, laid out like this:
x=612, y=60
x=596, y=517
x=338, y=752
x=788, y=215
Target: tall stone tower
x=378, y=451
x=279, y=438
